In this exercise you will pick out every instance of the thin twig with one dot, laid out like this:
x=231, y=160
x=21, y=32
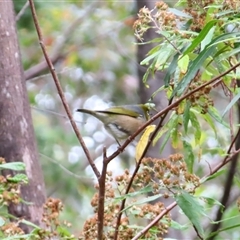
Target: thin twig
x=21, y=12
x=155, y=221
x=231, y=118
x=101, y=195
x=49, y=111
x=60, y=92
x=86, y=180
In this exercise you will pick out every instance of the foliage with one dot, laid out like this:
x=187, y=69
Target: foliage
x=10, y=194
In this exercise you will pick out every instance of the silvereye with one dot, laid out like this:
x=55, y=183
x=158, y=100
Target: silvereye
x=121, y=121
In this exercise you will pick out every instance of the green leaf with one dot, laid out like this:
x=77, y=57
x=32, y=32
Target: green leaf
x=192, y=209
x=143, y=201
x=237, y=180
x=165, y=128
x=30, y=224
x=224, y=230
x=196, y=126
x=223, y=13
x=64, y=233
x=193, y=69
x=18, y=178
x=165, y=140
x=229, y=106
x=150, y=57
x=197, y=63
x=212, y=176
x=18, y=236
x=169, y=128
x=179, y=13
x=178, y=226
x=146, y=76
x=224, y=38
x=208, y=38
x=186, y=116
x=156, y=92
x=163, y=56
x=215, y=114
x=188, y=155
x=209, y=120
x=228, y=54
x=212, y=202
x=159, y=134
x=15, y=166
x=175, y=133
x=144, y=190
x=171, y=69
x=200, y=37
x=183, y=63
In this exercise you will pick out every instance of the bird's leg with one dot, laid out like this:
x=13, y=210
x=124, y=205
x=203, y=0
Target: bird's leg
x=118, y=142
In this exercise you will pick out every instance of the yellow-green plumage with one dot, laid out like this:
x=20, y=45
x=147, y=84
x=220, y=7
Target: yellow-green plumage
x=121, y=121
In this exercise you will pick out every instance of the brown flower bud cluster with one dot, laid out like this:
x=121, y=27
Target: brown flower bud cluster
x=10, y=190
x=167, y=175
x=163, y=19
x=163, y=177
x=232, y=4
x=11, y=229
x=160, y=18
x=52, y=209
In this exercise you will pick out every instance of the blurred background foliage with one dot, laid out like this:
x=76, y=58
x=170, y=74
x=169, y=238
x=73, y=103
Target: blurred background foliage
x=92, y=47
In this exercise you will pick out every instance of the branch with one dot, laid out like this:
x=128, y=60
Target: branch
x=60, y=92
x=101, y=196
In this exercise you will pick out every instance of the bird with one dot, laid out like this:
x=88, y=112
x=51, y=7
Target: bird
x=121, y=121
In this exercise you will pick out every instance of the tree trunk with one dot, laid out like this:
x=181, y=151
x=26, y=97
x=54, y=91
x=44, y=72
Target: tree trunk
x=17, y=141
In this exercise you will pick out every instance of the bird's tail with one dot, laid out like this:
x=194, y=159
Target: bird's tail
x=96, y=114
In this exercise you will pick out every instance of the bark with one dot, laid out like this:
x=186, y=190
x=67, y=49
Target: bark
x=17, y=141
